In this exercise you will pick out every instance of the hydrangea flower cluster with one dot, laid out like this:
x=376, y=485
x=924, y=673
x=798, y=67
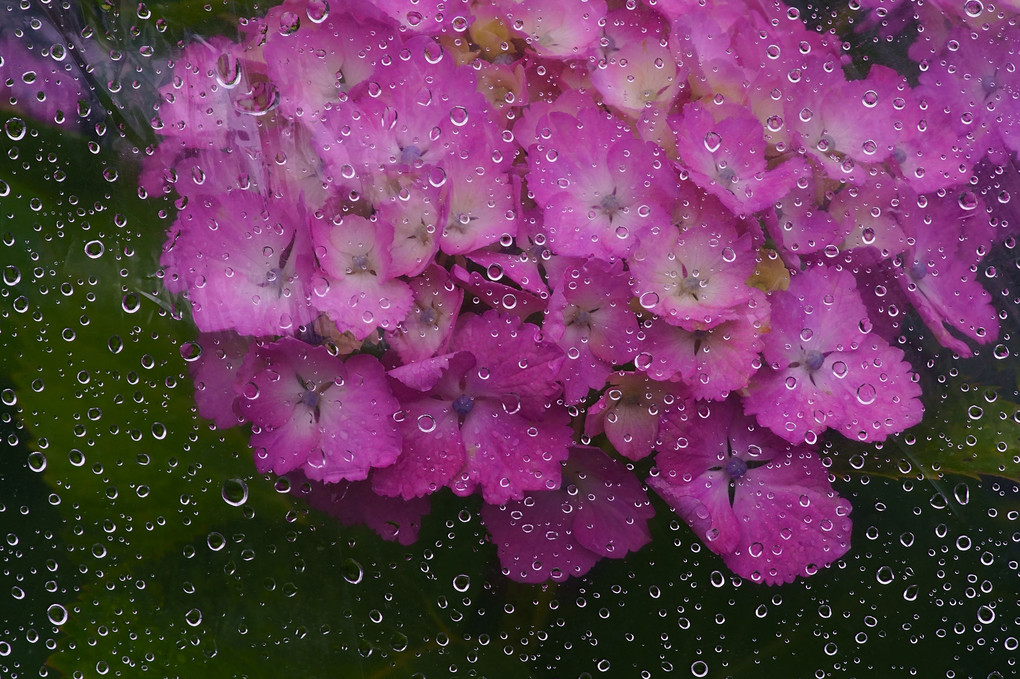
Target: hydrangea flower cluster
x=510, y=248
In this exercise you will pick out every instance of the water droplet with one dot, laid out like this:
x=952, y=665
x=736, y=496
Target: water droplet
x=234, y=492
x=193, y=617
x=317, y=10
x=866, y=394
x=12, y=275
x=57, y=614
x=36, y=461
x=352, y=571
x=712, y=142
x=290, y=22
x=15, y=129
x=94, y=249
x=648, y=300
x=699, y=668
x=426, y=424
x=461, y=583
x=215, y=541
x=459, y=116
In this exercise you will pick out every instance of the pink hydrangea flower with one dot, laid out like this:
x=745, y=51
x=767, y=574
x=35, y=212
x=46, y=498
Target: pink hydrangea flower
x=600, y=511
x=330, y=417
x=633, y=411
x=765, y=506
x=481, y=208
x=724, y=149
x=696, y=278
x=408, y=118
x=600, y=189
x=315, y=51
x=214, y=363
x=426, y=329
x=947, y=240
x=639, y=70
x=563, y=29
x=801, y=224
x=360, y=291
x=353, y=503
x=245, y=265
x=826, y=369
x=712, y=363
x=482, y=416
x=590, y=319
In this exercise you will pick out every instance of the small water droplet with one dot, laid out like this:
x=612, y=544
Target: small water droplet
x=57, y=614
x=234, y=492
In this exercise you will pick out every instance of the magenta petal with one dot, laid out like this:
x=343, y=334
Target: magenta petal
x=878, y=394
x=356, y=424
x=432, y=455
x=793, y=522
x=284, y=446
x=310, y=408
x=702, y=502
x=216, y=375
x=423, y=375
x=612, y=508
x=534, y=540
x=512, y=359
x=508, y=455
x=355, y=503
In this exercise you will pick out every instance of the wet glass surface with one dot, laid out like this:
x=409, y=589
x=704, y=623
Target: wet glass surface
x=337, y=339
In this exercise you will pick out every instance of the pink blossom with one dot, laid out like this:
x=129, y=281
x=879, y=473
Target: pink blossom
x=563, y=29
x=482, y=415
x=481, y=207
x=724, y=149
x=353, y=503
x=315, y=51
x=360, y=291
x=801, y=224
x=244, y=263
x=763, y=505
x=696, y=278
x=426, y=329
x=331, y=418
x=633, y=412
x=589, y=318
x=498, y=295
x=600, y=189
x=937, y=272
x=638, y=69
x=214, y=363
x=600, y=511
x=711, y=363
x=826, y=369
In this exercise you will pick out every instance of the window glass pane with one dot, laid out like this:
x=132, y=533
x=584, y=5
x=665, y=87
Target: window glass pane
x=501, y=338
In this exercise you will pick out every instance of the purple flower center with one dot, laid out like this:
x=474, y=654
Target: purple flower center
x=409, y=154
x=582, y=317
x=310, y=398
x=917, y=271
x=814, y=359
x=360, y=262
x=428, y=316
x=735, y=468
x=463, y=404
x=610, y=205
